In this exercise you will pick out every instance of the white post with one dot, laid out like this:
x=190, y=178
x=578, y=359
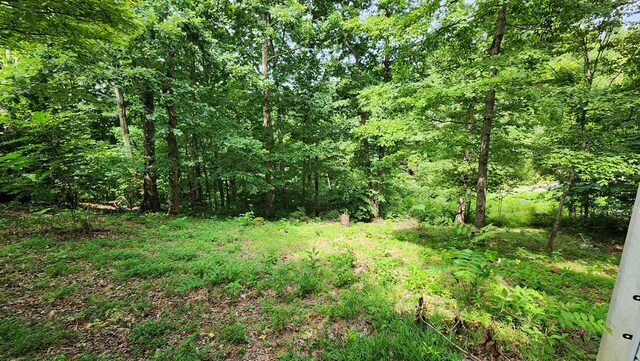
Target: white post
x=624, y=310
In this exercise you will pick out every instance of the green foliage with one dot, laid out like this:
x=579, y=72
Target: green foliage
x=151, y=333
x=233, y=289
x=586, y=322
x=20, y=337
x=309, y=279
x=402, y=340
x=348, y=292
x=342, y=266
x=472, y=266
x=234, y=334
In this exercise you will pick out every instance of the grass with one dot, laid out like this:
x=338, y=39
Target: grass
x=149, y=287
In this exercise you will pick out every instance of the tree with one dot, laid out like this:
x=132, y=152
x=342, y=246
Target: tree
x=489, y=110
x=65, y=22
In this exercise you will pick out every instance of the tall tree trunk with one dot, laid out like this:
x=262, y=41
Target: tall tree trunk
x=490, y=101
x=197, y=163
x=122, y=116
x=582, y=120
x=464, y=178
x=195, y=148
x=376, y=203
x=172, y=146
x=221, y=193
x=366, y=156
x=207, y=184
x=172, y=151
x=304, y=184
x=190, y=183
x=556, y=224
x=150, y=200
x=282, y=192
x=316, y=185
x=266, y=120
x=234, y=196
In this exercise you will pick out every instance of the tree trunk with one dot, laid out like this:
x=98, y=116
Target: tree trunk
x=234, y=196
x=490, y=101
x=122, y=116
x=366, y=157
x=266, y=120
x=462, y=206
x=195, y=148
x=582, y=120
x=226, y=188
x=316, y=186
x=556, y=224
x=190, y=182
x=150, y=200
x=282, y=192
x=174, y=177
x=304, y=184
x=376, y=203
x=221, y=193
x=466, y=158
x=207, y=185
x=172, y=147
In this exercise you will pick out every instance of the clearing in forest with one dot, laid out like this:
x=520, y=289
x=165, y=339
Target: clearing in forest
x=91, y=286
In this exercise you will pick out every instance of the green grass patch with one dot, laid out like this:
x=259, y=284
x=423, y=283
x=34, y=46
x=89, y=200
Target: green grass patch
x=20, y=337
x=189, y=289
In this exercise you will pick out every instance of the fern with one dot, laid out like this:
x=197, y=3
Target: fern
x=473, y=266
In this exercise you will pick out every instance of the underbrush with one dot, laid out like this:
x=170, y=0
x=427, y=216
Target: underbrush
x=158, y=288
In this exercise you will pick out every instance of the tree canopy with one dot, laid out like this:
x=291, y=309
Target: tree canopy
x=377, y=108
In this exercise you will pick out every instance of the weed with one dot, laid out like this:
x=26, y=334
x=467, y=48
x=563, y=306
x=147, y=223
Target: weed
x=144, y=268
x=185, y=283
x=234, y=334
x=59, y=293
x=342, y=268
x=151, y=333
x=233, y=289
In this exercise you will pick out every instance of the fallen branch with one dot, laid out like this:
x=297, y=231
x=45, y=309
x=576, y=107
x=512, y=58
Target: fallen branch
x=420, y=318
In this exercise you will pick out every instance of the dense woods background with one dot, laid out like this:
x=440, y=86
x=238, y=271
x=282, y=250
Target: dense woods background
x=376, y=108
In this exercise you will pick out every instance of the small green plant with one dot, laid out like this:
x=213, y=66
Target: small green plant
x=473, y=266
x=584, y=321
x=234, y=334
x=313, y=258
x=151, y=332
x=309, y=283
x=59, y=293
x=342, y=267
x=233, y=289
x=187, y=283
x=282, y=316
x=309, y=280
x=246, y=219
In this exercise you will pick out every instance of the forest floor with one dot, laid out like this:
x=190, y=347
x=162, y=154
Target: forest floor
x=79, y=285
